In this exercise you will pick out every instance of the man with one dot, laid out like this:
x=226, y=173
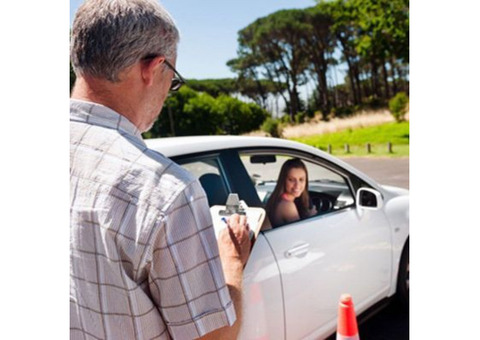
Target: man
x=144, y=259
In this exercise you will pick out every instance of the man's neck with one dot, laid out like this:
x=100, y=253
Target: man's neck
x=109, y=95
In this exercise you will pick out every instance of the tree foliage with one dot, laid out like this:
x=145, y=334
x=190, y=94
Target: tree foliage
x=274, y=43
x=294, y=46
x=214, y=87
x=189, y=112
x=398, y=106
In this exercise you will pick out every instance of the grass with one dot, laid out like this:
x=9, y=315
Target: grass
x=357, y=138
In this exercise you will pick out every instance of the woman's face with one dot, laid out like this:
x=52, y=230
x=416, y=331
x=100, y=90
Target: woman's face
x=295, y=182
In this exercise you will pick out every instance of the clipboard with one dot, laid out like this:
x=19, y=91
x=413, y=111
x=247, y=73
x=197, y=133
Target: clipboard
x=220, y=214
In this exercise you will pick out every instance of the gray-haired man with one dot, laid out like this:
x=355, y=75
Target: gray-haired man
x=144, y=259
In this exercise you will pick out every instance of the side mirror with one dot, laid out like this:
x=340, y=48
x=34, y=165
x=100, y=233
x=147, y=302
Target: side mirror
x=369, y=199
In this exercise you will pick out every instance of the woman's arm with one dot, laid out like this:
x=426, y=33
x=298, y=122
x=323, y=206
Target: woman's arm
x=287, y=211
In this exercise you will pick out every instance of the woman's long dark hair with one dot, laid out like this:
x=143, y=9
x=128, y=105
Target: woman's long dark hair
x=302, y=203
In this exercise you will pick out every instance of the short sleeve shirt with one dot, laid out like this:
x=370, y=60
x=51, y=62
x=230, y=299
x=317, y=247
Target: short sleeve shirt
x=144, y=257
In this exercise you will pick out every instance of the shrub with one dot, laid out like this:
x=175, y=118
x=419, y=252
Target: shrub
x=300, y=118
x=273, y=127
x=373, y=102
x=285, y=119
x=188, y=112
x=398, y=106
x=341, y=112
x=239, y=117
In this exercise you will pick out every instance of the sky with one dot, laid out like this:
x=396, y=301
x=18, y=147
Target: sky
x=208, y=30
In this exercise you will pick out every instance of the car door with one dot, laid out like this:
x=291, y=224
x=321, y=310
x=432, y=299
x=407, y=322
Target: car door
x=263, y=314
x=343, y=249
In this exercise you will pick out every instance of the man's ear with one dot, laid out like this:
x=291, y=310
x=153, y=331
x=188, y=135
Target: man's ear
x=149, y=67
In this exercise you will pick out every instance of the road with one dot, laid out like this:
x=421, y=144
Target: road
x=388, y=171
x=392, y=323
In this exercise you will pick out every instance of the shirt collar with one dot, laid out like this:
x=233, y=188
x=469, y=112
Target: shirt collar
x=97, y=114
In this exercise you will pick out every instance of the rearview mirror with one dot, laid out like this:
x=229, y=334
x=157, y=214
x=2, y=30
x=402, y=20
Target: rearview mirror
x=263, y=159
x=369, y=199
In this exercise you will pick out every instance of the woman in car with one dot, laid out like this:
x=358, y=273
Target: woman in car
x=289, y=200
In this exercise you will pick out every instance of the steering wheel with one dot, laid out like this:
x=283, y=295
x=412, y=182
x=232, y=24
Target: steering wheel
x=322, y=202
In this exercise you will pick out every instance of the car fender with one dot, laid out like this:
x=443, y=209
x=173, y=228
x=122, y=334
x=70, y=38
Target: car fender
x=398, y=215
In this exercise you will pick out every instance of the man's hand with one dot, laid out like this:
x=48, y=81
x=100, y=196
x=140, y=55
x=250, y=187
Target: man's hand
x=234, y=242
x=234, y=248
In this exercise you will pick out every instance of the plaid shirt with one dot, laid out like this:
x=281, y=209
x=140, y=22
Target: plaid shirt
x=144, y=258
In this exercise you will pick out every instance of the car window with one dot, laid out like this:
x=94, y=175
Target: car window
x=209, y=172
x=328, y=190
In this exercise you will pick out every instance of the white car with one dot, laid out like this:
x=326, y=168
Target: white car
x=357, y=243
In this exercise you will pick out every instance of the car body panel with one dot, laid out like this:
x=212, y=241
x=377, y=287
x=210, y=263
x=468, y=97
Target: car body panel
x=347, y=251
x=263, y=310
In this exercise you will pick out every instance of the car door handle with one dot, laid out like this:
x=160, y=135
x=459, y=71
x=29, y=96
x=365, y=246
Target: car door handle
x=298, y=250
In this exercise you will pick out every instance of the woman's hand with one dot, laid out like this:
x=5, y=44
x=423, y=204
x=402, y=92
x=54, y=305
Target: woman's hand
x=313, y=211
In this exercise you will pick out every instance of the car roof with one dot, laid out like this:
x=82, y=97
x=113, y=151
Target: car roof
x=178, y=146
x=175, y=146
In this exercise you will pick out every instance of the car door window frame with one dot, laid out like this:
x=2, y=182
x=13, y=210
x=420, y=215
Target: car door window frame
x=204, y=156
x=233, y=172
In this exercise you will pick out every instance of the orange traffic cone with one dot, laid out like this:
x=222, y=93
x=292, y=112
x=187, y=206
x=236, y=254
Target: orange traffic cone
x=347, y=328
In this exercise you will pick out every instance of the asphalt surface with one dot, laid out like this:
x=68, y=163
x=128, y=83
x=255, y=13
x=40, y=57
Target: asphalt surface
x=391, y=323
x=387, y=171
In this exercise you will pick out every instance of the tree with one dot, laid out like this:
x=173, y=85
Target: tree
x=173, y=121
x=384, y=36
x=318, y=44
x=214, y=87
x=273, y=44
x=188, y=112
x=345, y=32
x=238, y=117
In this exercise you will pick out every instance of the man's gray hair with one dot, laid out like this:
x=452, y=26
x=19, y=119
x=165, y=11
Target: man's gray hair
x=110, y=35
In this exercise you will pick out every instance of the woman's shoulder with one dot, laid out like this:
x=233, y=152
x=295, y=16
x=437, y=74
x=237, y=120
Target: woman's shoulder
x=285, y=212
x=286, y=204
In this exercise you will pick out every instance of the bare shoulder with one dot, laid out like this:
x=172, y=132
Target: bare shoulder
x=287, y=211
x=286, y=205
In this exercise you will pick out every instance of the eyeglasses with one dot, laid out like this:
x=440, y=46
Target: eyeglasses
x=177, y=81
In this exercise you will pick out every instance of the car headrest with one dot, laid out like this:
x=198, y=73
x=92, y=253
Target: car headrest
x=214, y=188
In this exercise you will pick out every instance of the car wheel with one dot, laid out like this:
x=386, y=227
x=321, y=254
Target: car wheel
x=403, y=284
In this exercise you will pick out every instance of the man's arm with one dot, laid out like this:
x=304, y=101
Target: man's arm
x=234, y=249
